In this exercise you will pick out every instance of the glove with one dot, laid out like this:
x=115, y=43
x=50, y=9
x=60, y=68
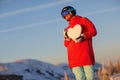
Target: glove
x=65, y=34
x=79, y=39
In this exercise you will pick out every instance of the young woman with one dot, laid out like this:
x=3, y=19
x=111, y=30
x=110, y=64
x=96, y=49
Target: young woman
x=80, y=51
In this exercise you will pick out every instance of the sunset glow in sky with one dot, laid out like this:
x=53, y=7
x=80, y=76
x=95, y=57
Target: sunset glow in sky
x=33, y=29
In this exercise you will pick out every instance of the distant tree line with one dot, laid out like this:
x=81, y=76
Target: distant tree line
x=11, y=77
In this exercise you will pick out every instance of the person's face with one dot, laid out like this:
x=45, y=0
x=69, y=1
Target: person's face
x=68, y=16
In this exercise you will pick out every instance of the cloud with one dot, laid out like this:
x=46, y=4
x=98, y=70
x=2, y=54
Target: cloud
x=56, y=20
x=30, y=25
x=103, y=11
x=5, y=1
x=33, y=8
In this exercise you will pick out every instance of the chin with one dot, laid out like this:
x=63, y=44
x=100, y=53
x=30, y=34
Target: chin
x=68, y=20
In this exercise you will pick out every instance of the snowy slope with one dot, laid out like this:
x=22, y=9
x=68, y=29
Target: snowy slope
x=36, y=70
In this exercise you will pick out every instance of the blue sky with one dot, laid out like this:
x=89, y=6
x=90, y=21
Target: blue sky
x=33, y=29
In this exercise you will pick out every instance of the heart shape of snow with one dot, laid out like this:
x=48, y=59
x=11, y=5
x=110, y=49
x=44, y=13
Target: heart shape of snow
x=74, y=32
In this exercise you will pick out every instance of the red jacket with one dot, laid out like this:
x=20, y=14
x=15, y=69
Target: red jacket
x=81, y=53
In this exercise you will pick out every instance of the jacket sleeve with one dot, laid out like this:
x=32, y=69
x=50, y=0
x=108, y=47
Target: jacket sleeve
x=66, y=42
x=91, y=30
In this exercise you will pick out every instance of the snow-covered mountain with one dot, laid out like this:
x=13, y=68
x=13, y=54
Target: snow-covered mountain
x=36, y=70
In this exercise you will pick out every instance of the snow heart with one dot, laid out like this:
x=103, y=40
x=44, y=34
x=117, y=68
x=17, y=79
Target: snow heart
x=75, y=32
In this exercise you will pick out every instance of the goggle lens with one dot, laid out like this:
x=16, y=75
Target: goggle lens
x=65, y=13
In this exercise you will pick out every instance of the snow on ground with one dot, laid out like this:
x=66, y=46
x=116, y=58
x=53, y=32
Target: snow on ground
x=37, y=70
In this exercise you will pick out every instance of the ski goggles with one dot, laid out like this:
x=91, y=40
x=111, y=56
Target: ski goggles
x=64, y=13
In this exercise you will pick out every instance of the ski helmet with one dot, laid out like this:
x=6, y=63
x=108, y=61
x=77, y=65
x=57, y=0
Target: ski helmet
x=68, y=9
